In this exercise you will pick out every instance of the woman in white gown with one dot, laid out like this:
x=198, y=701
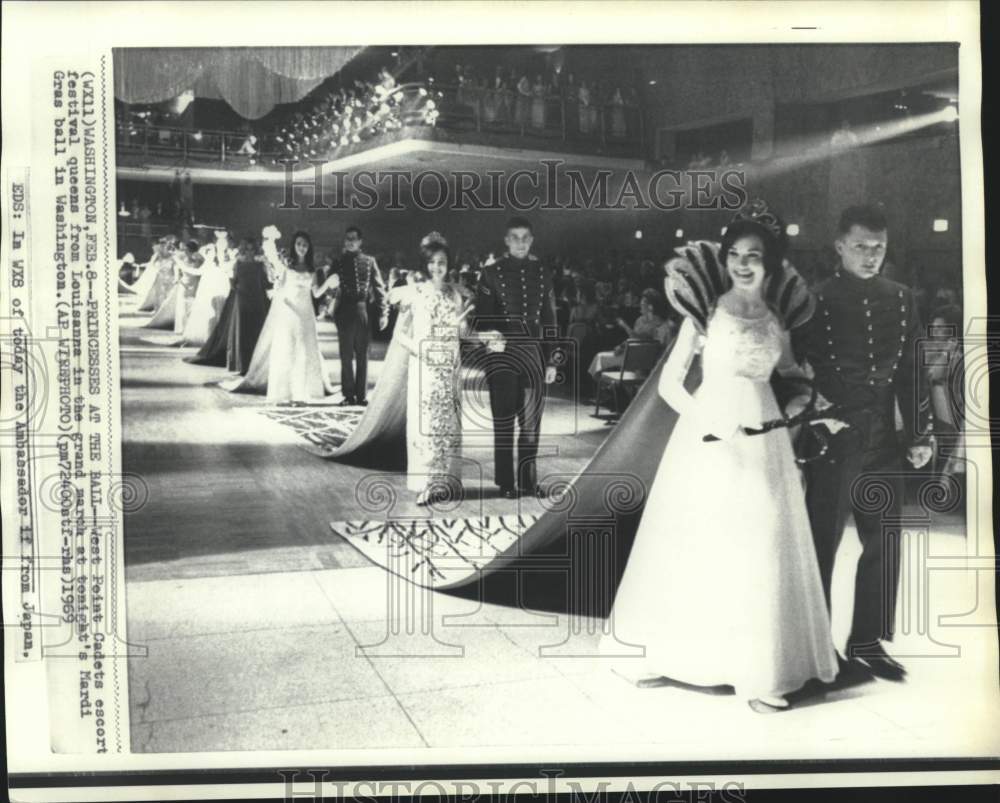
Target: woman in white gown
x=438, y=311
x=161, y=276
x=213, y=289
x=173, y=312
x=287, y=363
x=722, y=585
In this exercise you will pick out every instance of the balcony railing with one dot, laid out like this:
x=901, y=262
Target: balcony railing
x=552, y=116
x=535, y=120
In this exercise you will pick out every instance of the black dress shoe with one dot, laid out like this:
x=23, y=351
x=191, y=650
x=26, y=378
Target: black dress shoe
x=851, y=669
x=348, y=401
x=881, y=664
x=508, y=492
x=362, y=402
x=538, y=492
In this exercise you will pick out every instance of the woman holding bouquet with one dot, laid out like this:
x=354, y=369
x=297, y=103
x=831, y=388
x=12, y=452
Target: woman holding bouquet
x=287, y=364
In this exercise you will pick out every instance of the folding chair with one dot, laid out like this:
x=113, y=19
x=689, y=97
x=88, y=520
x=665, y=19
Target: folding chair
x=638, y=361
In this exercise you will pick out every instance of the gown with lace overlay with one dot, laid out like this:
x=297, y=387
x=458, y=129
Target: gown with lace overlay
x=722, y=585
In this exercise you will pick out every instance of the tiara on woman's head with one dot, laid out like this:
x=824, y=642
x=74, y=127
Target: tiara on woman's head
x=757, y=212
x=434, y=238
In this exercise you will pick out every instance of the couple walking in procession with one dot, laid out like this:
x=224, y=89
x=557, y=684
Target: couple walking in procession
x=508, y=314
x=729, y=578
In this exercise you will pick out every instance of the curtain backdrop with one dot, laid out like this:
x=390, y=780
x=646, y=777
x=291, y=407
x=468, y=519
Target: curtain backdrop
x=250, y=79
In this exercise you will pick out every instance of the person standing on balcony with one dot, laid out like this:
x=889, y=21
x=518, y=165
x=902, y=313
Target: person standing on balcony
x=522, y=108
x=538, y=94
x=632, y=112
x=570, y=111
x=583, y=96
x=617, y=114
x=501, y=97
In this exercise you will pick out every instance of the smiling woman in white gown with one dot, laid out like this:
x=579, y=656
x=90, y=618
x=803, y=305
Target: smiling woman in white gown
x=722, y=586
x=287, y=364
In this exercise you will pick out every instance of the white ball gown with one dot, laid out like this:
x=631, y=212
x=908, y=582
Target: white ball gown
x=722, y=585
x=287, y=363
x=173, y=312
x=213, y=289
x=155, y=288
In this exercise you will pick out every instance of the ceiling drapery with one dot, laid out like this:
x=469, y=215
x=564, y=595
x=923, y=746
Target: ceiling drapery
x=250, y=79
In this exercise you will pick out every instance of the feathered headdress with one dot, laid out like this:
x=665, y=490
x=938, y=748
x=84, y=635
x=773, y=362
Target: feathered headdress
x=697, y=276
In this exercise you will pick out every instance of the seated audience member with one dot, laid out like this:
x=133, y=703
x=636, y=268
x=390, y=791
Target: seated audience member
x=560, y=287
x=586, y=309
x=649, y=277
x=945, y=369
x=652, y=324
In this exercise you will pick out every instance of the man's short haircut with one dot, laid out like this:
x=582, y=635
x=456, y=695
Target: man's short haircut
x=355, y=230
x=866, y=216
x=519, y=223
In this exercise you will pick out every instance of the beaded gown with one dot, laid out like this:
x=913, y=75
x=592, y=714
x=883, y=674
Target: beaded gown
x=722, y=585
x=433, y=395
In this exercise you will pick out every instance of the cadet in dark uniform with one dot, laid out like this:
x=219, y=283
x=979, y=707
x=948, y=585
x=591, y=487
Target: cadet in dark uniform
x=515, y=311
x=360, y=284
x=861, y=345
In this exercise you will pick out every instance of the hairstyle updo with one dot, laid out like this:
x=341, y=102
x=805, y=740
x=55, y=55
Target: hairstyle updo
x=774, y=246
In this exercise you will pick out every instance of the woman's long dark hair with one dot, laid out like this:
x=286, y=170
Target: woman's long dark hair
x=307, y=260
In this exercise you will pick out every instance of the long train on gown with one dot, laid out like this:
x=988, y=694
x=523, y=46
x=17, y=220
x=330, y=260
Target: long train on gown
x=234, y=336
x=412, y=421
x=610, y=489
x=213, y=352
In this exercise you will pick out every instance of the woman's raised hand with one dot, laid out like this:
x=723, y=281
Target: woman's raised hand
x=469, y=307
